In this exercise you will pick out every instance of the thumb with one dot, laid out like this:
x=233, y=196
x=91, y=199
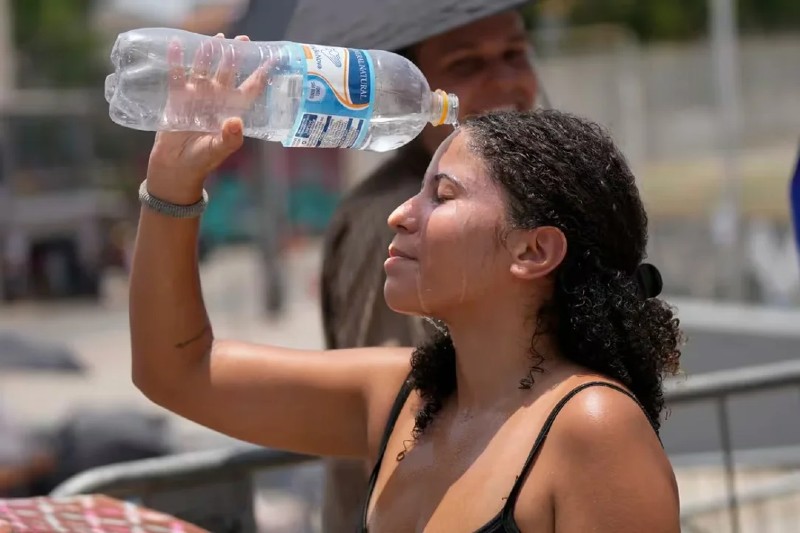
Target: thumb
x=230, y=138
x=233, y=134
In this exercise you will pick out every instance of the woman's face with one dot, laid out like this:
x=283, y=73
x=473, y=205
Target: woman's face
x=447, y=251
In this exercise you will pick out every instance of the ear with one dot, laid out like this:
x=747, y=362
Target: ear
x=537, y=252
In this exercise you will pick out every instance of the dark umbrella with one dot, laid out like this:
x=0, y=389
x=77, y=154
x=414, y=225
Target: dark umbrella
x=19, y=353
x=370, y=24
x=376, y=24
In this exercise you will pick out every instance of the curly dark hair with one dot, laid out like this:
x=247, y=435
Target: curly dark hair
x=560, y=170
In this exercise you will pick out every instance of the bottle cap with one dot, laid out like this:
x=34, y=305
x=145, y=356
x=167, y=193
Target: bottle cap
x=449, y=108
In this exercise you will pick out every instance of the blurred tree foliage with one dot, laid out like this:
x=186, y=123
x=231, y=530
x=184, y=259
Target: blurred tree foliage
x=658, y=20
x=55, y=42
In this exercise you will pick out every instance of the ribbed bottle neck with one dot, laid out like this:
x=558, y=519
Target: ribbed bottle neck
x=444, y=108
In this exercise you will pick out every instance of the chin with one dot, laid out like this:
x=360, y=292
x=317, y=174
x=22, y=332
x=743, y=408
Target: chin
x=402, y=299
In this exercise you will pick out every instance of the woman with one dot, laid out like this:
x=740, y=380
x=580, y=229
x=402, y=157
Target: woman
x=535, y=409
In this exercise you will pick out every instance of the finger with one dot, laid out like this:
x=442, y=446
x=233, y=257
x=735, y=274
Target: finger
x=228, y=140
x=242, y=38
x=233, y=131
x=220, y=35
x=202, y=61
x=226, y=72
x=176, y=84
x=254, y=85
x=177, y=72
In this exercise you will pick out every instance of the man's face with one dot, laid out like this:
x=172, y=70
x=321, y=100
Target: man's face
x=487, y=64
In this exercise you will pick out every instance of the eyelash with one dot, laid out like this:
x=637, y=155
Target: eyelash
x=440, y=199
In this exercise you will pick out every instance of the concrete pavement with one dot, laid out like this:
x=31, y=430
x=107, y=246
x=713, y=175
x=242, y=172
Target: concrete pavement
x=100, y=336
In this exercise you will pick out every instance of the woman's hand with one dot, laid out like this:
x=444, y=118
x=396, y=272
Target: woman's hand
x=181, y=160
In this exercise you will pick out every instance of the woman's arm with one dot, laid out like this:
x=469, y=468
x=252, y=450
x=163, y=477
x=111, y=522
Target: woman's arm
x=310, y=402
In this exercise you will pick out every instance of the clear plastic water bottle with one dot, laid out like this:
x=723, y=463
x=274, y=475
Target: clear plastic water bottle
x=305, y=95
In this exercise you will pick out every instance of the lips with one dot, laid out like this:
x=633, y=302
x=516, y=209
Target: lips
x=394, y=251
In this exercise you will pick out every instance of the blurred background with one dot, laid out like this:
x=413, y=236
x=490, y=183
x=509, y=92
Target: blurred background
x=702, y=95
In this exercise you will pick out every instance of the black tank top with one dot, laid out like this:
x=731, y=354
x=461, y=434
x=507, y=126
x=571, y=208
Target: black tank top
x=503, y=522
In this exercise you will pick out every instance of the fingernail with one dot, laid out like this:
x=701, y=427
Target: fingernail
x=235, y=128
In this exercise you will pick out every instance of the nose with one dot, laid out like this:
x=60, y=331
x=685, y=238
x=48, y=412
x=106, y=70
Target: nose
x=515, y=72
x=512, y=86
x=403, y=218
x=505, y=71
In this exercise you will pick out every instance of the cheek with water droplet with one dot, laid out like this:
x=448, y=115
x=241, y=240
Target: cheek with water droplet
x=423, y=293
x=446, y=269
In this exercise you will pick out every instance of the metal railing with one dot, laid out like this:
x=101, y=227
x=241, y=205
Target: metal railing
x=211, y=489
x=719, y=387
x=132, y=479
x=147, y=481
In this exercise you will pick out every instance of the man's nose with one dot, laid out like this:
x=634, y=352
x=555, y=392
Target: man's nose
x=502, y=73
x=403, y=218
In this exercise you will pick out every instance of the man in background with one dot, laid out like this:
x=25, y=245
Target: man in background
x=487, y=64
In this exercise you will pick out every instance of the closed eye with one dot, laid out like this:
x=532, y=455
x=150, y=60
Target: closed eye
x=444, y=193
x=445, y=188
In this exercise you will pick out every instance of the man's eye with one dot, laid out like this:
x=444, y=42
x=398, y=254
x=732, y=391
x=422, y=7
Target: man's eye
x=465, y=66
x=516, y=56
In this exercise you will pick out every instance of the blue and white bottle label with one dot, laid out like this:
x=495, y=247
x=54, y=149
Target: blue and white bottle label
x=338, y=96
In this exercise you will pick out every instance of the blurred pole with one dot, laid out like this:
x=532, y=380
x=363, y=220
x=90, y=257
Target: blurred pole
x=631, y=100
x=728, y=221
x=268, y=21
x=272, y=178
x=7, y=54
x=7, y=84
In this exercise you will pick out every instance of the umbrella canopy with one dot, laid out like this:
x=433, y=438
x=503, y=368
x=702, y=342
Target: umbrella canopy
x=19, y=353
x=371, y=24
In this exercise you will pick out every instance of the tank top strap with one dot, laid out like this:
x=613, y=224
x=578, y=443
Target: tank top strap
x=394, y=414
x=508, y=508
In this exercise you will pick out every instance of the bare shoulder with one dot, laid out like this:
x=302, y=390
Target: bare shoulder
x=602, y=414
x=396, y=366
x=381, y=373
x=602, y=437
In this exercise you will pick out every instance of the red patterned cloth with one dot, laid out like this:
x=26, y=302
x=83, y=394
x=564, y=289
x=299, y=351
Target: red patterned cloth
x=85, y=514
